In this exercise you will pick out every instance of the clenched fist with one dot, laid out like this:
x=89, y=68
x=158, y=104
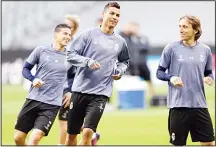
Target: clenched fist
x=176, y=81
x=37, y=83
x=208, y=80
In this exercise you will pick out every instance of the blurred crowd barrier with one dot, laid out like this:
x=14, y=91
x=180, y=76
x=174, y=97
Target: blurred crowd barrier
x=26, y=25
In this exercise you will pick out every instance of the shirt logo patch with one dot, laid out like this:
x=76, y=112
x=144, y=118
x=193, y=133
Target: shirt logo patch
x=101, y=107
x=202, y=58
x=71, y=105
x=173, y=136
x=116, y=47
x=180, y=58
x=48, y=58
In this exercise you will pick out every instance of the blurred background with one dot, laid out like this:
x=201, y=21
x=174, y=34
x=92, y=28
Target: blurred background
x=136, y=113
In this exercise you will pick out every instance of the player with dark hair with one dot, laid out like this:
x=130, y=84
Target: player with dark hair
x=95, y=53
x=45, y=95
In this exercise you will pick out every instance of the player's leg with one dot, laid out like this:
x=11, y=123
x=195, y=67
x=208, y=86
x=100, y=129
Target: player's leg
x=76, y=117
x=20, y=137
x=63, y=116
x=43, y=123
x=94, y=112
x=95, y=137
x=179, y=125
x=25, y=121
x=202, y=128
x=35, y=137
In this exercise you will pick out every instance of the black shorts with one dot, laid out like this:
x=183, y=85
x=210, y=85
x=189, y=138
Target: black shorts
x=144, y=72
x=35, y=114
x=63, y=113
x=141, y=70
x=195, y=120
x=85, y=106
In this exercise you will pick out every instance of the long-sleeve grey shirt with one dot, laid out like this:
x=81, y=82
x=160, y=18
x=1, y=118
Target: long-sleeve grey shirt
x=109, y=50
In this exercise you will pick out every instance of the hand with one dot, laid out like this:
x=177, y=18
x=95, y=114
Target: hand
x=66, y=99
x=37, y=83
x=116, y=76
x=208, y=80
x=95, y=65
x=176, y=81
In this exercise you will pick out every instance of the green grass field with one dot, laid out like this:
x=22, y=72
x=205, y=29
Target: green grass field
x=131, y=127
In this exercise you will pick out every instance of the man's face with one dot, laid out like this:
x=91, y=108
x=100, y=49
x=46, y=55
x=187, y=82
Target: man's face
x=111, y=16
x=72, y=25
x=63, y=36
x=186, y=30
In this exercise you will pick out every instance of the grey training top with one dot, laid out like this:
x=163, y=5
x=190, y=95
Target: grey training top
x=188, y=63
x=93, y=45
x=51, y=68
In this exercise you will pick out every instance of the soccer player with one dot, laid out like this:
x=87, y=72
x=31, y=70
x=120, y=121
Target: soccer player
x=45, y=95
x=189, y=65
x=95, y=53
x=138, y=46
x=72, y=21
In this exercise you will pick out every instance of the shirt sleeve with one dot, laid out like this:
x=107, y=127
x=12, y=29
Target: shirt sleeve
x=123, y=59
x=34, y=57
x=166, y=57
x=75, y=53
x=208, y=67
x=209, y=61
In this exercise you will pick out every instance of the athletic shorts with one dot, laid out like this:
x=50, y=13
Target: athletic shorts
x=37, y=115
x=141, y=70
x=144, y=72
x=195, y=120
x=85, y=106
x=63, y=113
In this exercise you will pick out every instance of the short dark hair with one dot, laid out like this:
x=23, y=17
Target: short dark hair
x=60, y=26
x=111, y=4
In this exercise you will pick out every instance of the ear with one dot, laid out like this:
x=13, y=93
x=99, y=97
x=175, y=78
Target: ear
x=102, y=14
x=55, y=35
x=195, y=31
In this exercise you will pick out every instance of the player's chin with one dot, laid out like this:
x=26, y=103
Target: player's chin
x=113, y=25
x=64, y=43
x=184, y=38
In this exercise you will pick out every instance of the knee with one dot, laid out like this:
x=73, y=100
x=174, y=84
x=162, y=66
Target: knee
x=36, y=138
x=87, y=133
x=71, y=137
x=18, y=137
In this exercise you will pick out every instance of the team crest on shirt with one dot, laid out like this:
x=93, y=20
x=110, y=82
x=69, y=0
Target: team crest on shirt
x=116, y=47
x=202, y=58
x=180, y=58
x=48, y=58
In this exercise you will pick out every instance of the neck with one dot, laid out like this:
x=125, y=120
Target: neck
x=189, y=42
x=107, y=29
x=58, y=46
